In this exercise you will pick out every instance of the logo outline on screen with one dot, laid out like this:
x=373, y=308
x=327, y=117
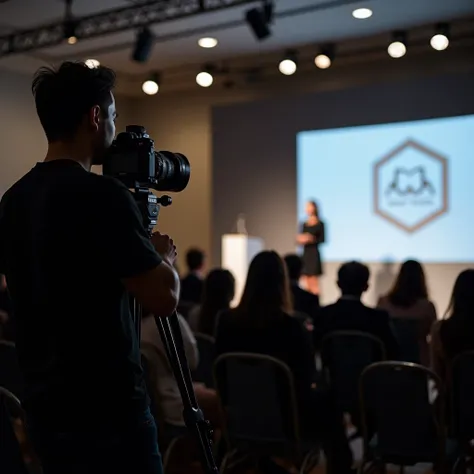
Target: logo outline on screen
x=410, y=186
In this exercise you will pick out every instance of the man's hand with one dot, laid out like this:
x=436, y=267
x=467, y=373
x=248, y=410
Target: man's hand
x=164, y=245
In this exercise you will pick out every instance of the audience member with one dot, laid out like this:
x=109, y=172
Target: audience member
x=262, y=324
x=218, y=292
x=170, y=398
x=454, y=334
x=192, y=283
x=303, y=301
x=350, y=314
x=408, y=299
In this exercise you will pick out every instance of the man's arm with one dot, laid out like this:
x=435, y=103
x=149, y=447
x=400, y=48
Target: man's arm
x=144, y=265
x=157, y=290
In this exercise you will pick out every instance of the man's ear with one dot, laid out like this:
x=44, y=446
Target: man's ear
x=94, y=117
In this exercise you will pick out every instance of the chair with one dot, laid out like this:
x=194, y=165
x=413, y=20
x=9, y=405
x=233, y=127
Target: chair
x=10, y=374
x=409, y=336
x=258, y=402
x=345, y=354
x=402, y=411
x=11, y=457
x=462, y=408
x=207, y=355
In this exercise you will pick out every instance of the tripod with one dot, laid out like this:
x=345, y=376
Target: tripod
x=170, y=333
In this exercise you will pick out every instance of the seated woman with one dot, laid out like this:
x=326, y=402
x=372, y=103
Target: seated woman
x=218, y=292
x=262, y=324
x=408, y=299
x=454, y=334
x=170, y=398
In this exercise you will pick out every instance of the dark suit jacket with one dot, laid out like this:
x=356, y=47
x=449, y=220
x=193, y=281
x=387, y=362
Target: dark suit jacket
x=353, y=315
x=305, y=302
x=191, y=288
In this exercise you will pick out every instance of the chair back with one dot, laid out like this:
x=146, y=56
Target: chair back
x=462, y=397
x=345, y=354
x=10, y=374
x=11, y=458
x=258, y=402
x=409, y=336
x=207, y=356
x=402, y=407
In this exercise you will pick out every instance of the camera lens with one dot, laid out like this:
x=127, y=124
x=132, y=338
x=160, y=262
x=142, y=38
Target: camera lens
x=172, y=171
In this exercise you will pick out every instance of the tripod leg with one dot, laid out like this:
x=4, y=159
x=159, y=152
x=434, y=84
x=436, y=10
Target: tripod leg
x=193, y=417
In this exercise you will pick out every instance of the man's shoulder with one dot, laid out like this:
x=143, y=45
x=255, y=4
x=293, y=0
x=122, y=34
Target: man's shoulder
x=377, y=313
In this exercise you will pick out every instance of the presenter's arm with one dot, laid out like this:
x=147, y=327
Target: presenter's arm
x=144, y=265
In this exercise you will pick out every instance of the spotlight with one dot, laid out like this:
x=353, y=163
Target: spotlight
x=325, y=58
x=397, y=48
x=92, y=63
x=204, y=79
x=143, y=45
x=362, y=13
x=151, y=86
x=207, y=42
x=259, y=20
x=440, y=40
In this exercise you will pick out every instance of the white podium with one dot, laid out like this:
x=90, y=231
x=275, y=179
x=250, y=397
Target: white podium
x=237, y=252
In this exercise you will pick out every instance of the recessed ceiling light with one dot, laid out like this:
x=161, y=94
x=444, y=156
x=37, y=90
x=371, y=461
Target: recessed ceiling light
x=362, y=13
x=150, y=87
x=207, y=42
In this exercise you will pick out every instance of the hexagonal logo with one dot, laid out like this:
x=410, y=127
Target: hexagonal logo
x=411, y=186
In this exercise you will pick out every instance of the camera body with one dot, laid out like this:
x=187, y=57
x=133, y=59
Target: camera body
x=132, y=159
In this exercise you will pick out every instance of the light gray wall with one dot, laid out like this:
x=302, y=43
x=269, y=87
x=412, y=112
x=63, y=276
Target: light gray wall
x=254, y=159
x=22, y=142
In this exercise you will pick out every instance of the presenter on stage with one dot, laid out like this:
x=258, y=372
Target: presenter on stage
x=312, y=234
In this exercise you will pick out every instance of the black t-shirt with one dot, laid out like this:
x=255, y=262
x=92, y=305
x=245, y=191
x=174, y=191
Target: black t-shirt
x=67, y=238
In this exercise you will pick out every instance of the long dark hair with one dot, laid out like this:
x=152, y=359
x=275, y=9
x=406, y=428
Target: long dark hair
x=410, y=285
x=458, y=327
x=218, y=292
x=267, y=290
x=461, y=305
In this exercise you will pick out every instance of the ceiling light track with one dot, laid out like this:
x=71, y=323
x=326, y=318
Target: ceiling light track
x=113, y=21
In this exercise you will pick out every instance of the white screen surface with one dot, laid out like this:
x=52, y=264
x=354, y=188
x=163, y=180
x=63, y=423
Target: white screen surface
x=392, y=191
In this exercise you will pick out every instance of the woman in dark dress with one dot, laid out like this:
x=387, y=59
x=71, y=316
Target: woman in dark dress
x=312, y=234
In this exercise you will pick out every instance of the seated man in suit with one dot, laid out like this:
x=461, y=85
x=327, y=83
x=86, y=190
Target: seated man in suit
x=350, y=314
x=303, y=301
x=192, y=283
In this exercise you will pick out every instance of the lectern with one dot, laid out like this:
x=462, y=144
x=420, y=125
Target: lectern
x=237, y=252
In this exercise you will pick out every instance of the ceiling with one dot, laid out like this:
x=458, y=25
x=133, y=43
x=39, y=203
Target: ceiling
x=297, y=22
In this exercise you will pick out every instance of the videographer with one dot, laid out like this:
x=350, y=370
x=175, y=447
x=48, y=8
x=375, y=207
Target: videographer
x=72, y=246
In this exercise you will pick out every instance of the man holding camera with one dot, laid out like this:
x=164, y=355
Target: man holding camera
x=72, y=247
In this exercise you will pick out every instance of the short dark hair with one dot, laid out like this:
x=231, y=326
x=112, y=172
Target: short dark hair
x=294, y=265
x=64, y=95
x=194, y=259
x=353, y=278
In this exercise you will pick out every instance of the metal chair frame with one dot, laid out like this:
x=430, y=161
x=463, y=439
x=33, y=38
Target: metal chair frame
x=307, y=461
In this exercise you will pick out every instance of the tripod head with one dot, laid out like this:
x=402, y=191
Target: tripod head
x=149, y=206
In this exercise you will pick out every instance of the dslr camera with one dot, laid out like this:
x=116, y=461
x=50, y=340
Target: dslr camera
x=132, y=159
